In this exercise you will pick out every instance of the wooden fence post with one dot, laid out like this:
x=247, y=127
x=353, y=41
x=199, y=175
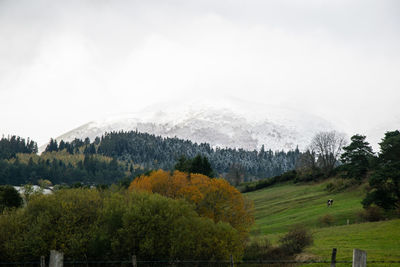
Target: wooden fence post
x=232, y=263
x=134, y=261
x=42, y=261
x=359, y=258
x=333, y=260
x=56, y=259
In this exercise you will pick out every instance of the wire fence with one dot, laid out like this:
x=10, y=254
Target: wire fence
x=161, y=263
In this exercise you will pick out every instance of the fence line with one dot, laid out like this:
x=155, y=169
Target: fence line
x=56, y=259
x=166, y=262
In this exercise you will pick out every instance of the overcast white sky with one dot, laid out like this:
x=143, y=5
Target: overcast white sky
x=64, y=63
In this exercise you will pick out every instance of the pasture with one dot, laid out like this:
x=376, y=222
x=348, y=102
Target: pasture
x=282, y=206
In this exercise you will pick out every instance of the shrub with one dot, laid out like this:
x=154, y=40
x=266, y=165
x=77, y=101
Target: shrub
x=9, y=197
x=339, y=185
x=287, y=176
x=261, y=249
x=296, y=240
x=309, y=175
x=326, y=220
x=372, y=214
x=292, y=243
x=87, y=223
x=258, y=249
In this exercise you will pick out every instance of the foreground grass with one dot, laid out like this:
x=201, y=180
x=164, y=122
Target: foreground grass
x=381, y=241
x=283, y=206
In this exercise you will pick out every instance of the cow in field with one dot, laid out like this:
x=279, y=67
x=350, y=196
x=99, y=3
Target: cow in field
x=330, y=202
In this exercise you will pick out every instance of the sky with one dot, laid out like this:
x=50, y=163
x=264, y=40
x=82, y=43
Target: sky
x=65, y=63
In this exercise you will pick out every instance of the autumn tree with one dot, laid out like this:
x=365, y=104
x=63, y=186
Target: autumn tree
x=213, y=198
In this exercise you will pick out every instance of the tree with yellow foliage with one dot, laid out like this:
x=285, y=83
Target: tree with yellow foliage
x=212, y=198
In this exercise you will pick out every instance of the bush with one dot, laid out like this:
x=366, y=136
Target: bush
x=372, y=214
x=292, y=243
x=9, y=198
x=339, y=185
x=296, y=240
x=309, y=175
x=261, y=249
x=287, y=176
x=326, y=220
x=105, y=225
x=258, y=249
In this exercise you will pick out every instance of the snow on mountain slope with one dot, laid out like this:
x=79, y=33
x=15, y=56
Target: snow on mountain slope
x=222, y=123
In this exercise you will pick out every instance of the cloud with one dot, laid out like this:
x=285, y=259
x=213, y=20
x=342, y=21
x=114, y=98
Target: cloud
x=67, y=62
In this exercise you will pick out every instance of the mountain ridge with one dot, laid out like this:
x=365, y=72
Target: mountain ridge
x=227, y=123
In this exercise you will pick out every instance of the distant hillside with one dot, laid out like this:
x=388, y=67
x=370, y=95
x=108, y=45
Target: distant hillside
x=153, y=152
x=220, y=123
x=120, y=155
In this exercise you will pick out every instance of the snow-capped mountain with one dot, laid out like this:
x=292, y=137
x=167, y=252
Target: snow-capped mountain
x=224, y=123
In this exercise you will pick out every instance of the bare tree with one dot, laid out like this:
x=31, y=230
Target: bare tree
x=236, y=174
x=328, y=147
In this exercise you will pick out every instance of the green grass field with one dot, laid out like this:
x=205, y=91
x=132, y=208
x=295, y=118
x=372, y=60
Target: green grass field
x=381, y=240
x=283, y=206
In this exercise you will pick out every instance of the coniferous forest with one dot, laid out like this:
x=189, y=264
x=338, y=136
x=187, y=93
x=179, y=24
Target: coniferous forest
x=154, y=152
x=123, y=155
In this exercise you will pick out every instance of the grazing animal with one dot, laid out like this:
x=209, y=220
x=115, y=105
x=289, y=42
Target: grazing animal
x=330, y=202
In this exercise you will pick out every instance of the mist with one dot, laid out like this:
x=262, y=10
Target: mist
x=64, y=63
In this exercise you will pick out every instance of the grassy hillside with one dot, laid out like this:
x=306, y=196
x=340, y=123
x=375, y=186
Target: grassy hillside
x=381, y=240
x=283, y=205
x=280, y=207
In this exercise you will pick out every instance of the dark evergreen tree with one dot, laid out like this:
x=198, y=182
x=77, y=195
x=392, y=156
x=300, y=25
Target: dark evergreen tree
x=356, y=157
x=9, y=198
x=10, y=146
x=87, y=141
x=61, y=145
x=183, y=164
x=97, y=140
x=385, y=182
x=52, y=146
x=90, y=149
x=69, y=148
x=201, y=165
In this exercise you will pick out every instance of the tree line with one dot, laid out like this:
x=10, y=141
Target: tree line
x=155, y=152
x=88, y=170
x=328, y=155
x=12, y=145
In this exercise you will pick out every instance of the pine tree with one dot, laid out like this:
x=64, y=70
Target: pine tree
x=356, y=157
x=385, y=182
